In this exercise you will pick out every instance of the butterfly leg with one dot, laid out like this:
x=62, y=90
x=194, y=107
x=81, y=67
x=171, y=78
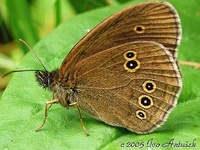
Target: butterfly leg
x=80, y=117
x=47, y=104
x=51, y=103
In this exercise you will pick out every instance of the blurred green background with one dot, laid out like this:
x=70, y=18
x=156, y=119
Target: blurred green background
x=32, y=20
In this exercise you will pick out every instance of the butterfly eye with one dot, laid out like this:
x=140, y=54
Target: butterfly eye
x=149, y=86
x=42, y=78
x=141, y=114
x=130, y=55
x=145, y=101
x=132, y=65
x=139, y=29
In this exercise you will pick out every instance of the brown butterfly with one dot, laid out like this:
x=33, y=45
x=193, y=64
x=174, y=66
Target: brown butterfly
x=124, y=71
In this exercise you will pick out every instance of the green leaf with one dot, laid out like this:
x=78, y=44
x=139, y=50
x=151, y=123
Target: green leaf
x=22, y=104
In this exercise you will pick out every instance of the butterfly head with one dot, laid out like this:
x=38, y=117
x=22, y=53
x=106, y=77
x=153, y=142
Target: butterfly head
x=46, y=79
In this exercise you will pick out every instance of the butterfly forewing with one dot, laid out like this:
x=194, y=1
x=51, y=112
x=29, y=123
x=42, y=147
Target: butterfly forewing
x=154, y=21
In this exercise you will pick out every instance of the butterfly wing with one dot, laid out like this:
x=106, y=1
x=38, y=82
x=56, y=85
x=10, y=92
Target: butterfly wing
x=154, y=21
x=133, y=85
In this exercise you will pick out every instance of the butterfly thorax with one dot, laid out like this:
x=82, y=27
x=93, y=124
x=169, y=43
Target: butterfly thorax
x=61, y=91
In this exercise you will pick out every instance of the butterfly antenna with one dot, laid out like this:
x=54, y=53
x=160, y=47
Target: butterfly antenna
x=20, y=71
x=27, y=69
x=33, y=53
